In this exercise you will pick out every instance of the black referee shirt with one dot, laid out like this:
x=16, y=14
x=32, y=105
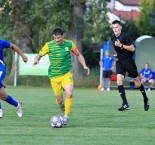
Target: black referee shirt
x=125, y=39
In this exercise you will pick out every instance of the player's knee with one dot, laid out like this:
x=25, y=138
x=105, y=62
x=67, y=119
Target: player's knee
x=119, y=83
x=2, y=97
x=69, y=94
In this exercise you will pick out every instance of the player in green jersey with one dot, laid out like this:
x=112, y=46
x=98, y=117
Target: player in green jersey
x=59, y=52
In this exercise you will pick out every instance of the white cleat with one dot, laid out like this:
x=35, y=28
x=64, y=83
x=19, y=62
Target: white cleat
x=102, y=89
x=19, y=109
x=108, y=89
x=65, y=120
x=1, y=113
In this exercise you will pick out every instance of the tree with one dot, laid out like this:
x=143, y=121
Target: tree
x=29, y=23
x=146, y=20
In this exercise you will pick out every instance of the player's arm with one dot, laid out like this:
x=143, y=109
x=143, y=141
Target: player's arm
x=81, y=59
x=37, y=59
x=16, y=49
x=42, y=52
x=122, y=46
x=101, y=64
x=150, y=76
x=113, y=64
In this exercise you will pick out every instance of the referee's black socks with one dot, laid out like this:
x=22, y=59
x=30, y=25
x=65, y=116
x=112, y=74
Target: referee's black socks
x=122, y=94
x=142, y=89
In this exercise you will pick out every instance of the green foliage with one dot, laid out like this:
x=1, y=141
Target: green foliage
x=146, y=21
x=96, y=22
x=86, y=20
x=130, y=27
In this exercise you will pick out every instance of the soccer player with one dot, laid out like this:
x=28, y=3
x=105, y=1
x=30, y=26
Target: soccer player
x=125, y=48
x=59, y=52
x=3, y=95
x=107, y=64
x=146, y=76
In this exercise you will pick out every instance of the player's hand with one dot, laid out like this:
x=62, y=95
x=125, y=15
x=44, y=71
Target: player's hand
x=88, y=70
x=25, y=58
x=115, y=56
x=35, y=62
x=118, y=43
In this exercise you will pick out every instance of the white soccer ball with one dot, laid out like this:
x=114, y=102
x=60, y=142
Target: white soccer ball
x=56, y=121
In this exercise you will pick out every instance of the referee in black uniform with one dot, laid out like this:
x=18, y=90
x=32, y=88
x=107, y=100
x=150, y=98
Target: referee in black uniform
x=124, y=48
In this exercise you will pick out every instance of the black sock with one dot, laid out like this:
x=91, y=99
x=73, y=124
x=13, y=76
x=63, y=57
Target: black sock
x=122, y=94
x=142, y=89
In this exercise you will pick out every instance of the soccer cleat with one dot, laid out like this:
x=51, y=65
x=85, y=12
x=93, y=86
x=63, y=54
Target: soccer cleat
x=19, y=109
x=108, y=89
x=65, y=120
x=1, y=113
x=62, y=107
x=124, y=107
x=146, y=106
x=149, y=89
x=102, y=89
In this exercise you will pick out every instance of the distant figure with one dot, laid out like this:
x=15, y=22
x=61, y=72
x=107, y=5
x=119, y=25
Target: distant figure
x=146, y=76
x=107, y=64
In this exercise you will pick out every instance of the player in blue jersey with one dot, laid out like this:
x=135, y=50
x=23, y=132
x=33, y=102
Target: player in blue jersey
x=107, y=64
x=146, y=76
x=3, y=95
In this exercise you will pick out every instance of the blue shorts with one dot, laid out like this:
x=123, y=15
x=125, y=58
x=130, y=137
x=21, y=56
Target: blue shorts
x=2, y=74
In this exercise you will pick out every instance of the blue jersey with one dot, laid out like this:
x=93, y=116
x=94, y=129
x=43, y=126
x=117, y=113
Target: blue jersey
x=3, y=44
x=146, y=72
x=107, y=62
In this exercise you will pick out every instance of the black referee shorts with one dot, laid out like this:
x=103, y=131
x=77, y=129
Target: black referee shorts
x=107, y=73
x=127, y=65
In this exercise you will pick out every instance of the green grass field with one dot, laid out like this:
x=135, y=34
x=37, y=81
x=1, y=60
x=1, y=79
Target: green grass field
x=94, y=119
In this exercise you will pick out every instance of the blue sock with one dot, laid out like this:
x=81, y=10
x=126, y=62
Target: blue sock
x=0, y=106
x=11, y=101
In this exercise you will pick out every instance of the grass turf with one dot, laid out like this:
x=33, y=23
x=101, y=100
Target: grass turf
x=94, y=119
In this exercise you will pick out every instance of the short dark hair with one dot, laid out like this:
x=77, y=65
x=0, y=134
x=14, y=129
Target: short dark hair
x=116, y=22
x=58, y=31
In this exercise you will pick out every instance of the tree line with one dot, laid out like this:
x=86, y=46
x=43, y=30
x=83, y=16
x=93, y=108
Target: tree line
x=29, y=23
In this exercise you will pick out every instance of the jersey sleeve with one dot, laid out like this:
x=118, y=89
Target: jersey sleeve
x=74, y=49
x=5, y=44
x=44, y=50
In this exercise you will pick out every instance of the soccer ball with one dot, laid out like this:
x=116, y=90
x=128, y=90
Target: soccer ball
x=56, y=121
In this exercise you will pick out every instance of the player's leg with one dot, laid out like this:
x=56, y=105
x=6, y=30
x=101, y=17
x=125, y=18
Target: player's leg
x=58, y=91
x=122, y=93
x=67, y=84
x=10, y=100
x=103, y=83
x=151, y=81
x=109, y=79
x=142, y=90
x=1, y=111
x=4, y=96
x=109, y=83
x=120, y=70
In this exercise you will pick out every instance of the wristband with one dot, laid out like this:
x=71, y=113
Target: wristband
x=122, y=46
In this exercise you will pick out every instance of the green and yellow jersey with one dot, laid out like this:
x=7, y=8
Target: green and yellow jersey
x=59, y=56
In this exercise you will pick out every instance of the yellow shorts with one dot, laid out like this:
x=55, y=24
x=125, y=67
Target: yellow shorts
x=59, y=83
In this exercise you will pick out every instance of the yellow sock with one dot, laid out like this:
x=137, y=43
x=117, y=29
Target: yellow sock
x=68, y=105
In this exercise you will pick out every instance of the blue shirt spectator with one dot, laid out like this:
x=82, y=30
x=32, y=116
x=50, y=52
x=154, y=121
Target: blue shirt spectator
x=107, y=64
x=146, y=76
